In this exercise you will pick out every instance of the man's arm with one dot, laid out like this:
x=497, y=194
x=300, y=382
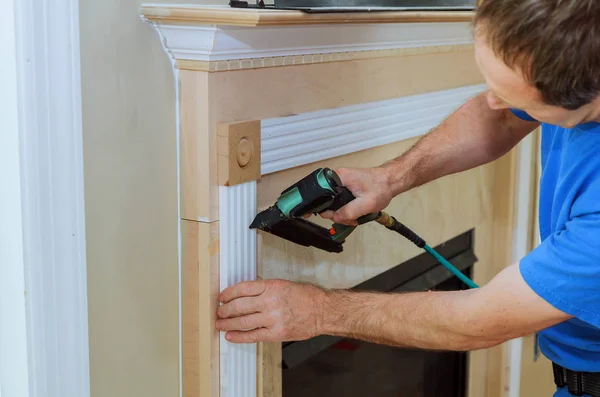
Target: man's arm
x=471, y=136
x=277, y=310
x=504, y=309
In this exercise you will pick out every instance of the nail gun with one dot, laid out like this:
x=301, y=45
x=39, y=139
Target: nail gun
x=320, y=191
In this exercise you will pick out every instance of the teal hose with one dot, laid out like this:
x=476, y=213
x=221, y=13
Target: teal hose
x=393, y=224
x=450, y=267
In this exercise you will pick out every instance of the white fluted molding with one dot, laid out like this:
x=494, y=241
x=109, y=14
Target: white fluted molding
x=292, y=141
x=237, y=209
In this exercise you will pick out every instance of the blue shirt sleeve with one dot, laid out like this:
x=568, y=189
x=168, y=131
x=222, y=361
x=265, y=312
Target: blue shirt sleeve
x=565, y=268
x=522, y=115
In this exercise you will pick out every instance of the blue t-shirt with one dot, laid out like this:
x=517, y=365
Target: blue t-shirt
x=565, y=268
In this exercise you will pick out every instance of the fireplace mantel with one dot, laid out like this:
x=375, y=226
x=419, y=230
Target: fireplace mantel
x=227, y=16
x=208, y=38
x=263, y=98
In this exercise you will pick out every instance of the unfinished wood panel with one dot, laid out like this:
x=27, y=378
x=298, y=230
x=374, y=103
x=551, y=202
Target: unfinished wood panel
x=537, y=378
x=505, y=213
x=269, y=355
x=274, y=92
x=207, y=99
x=269, y=370
x=198, y=150
x=437, y=211
x=238, y=147
x=482, y=274
x=254, y=17
x=200, y=287
x=504, y=207
x=277, y=61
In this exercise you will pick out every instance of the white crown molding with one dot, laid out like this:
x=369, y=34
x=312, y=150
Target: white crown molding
x=52, y=196
x=292, y=141
x=218, y=43
x=237, y=209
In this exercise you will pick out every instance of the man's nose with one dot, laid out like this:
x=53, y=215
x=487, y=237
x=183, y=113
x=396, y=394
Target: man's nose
x=495, y=103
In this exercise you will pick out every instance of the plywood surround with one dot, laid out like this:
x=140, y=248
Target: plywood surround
x=480, y=198
x=199, y=290
x=265, y=67
x=437, y=211
x=207, y=99
x=223, y=15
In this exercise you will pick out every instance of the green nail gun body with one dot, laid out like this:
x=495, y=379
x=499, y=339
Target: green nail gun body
x=318, y=192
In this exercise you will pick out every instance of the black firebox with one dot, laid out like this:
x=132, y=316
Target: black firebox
x=338, y=367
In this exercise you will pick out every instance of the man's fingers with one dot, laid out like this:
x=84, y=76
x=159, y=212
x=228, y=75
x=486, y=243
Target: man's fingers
x=240, y=306
x=245, y=288
x=349, y=213
x=345, y=215
x=327, y=214
x=254, y=336
x=251, y=321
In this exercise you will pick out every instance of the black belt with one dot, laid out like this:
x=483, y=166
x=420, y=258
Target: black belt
x=578, y=383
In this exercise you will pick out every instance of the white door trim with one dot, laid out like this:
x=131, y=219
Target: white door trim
x=13, y=336
x=48, y=133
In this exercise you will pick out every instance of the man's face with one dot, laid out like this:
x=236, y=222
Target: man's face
x=508, y=89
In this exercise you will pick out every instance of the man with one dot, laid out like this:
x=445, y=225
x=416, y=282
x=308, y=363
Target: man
x=541, y=61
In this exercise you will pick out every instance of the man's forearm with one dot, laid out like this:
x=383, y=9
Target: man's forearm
x=503, y=309
x=428, y=320
x=472, y=136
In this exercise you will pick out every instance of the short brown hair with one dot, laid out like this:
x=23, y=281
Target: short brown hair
x=555, y=44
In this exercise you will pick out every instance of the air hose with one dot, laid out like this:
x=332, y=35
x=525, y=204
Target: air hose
x=393, y=224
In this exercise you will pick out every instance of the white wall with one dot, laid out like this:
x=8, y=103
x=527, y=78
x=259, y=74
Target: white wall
x=131, y=203
x=13, y=337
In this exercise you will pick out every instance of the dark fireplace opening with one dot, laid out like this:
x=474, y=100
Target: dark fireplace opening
x=339, y=367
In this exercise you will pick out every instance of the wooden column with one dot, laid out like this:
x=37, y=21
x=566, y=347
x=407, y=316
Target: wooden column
x=200, y=238
x=219, y=166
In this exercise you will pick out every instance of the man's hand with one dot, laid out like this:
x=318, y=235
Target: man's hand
x=269, y=310
x=277, y=310
x=371, y=189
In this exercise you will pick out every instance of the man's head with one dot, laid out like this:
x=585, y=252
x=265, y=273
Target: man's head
x=541, y=56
